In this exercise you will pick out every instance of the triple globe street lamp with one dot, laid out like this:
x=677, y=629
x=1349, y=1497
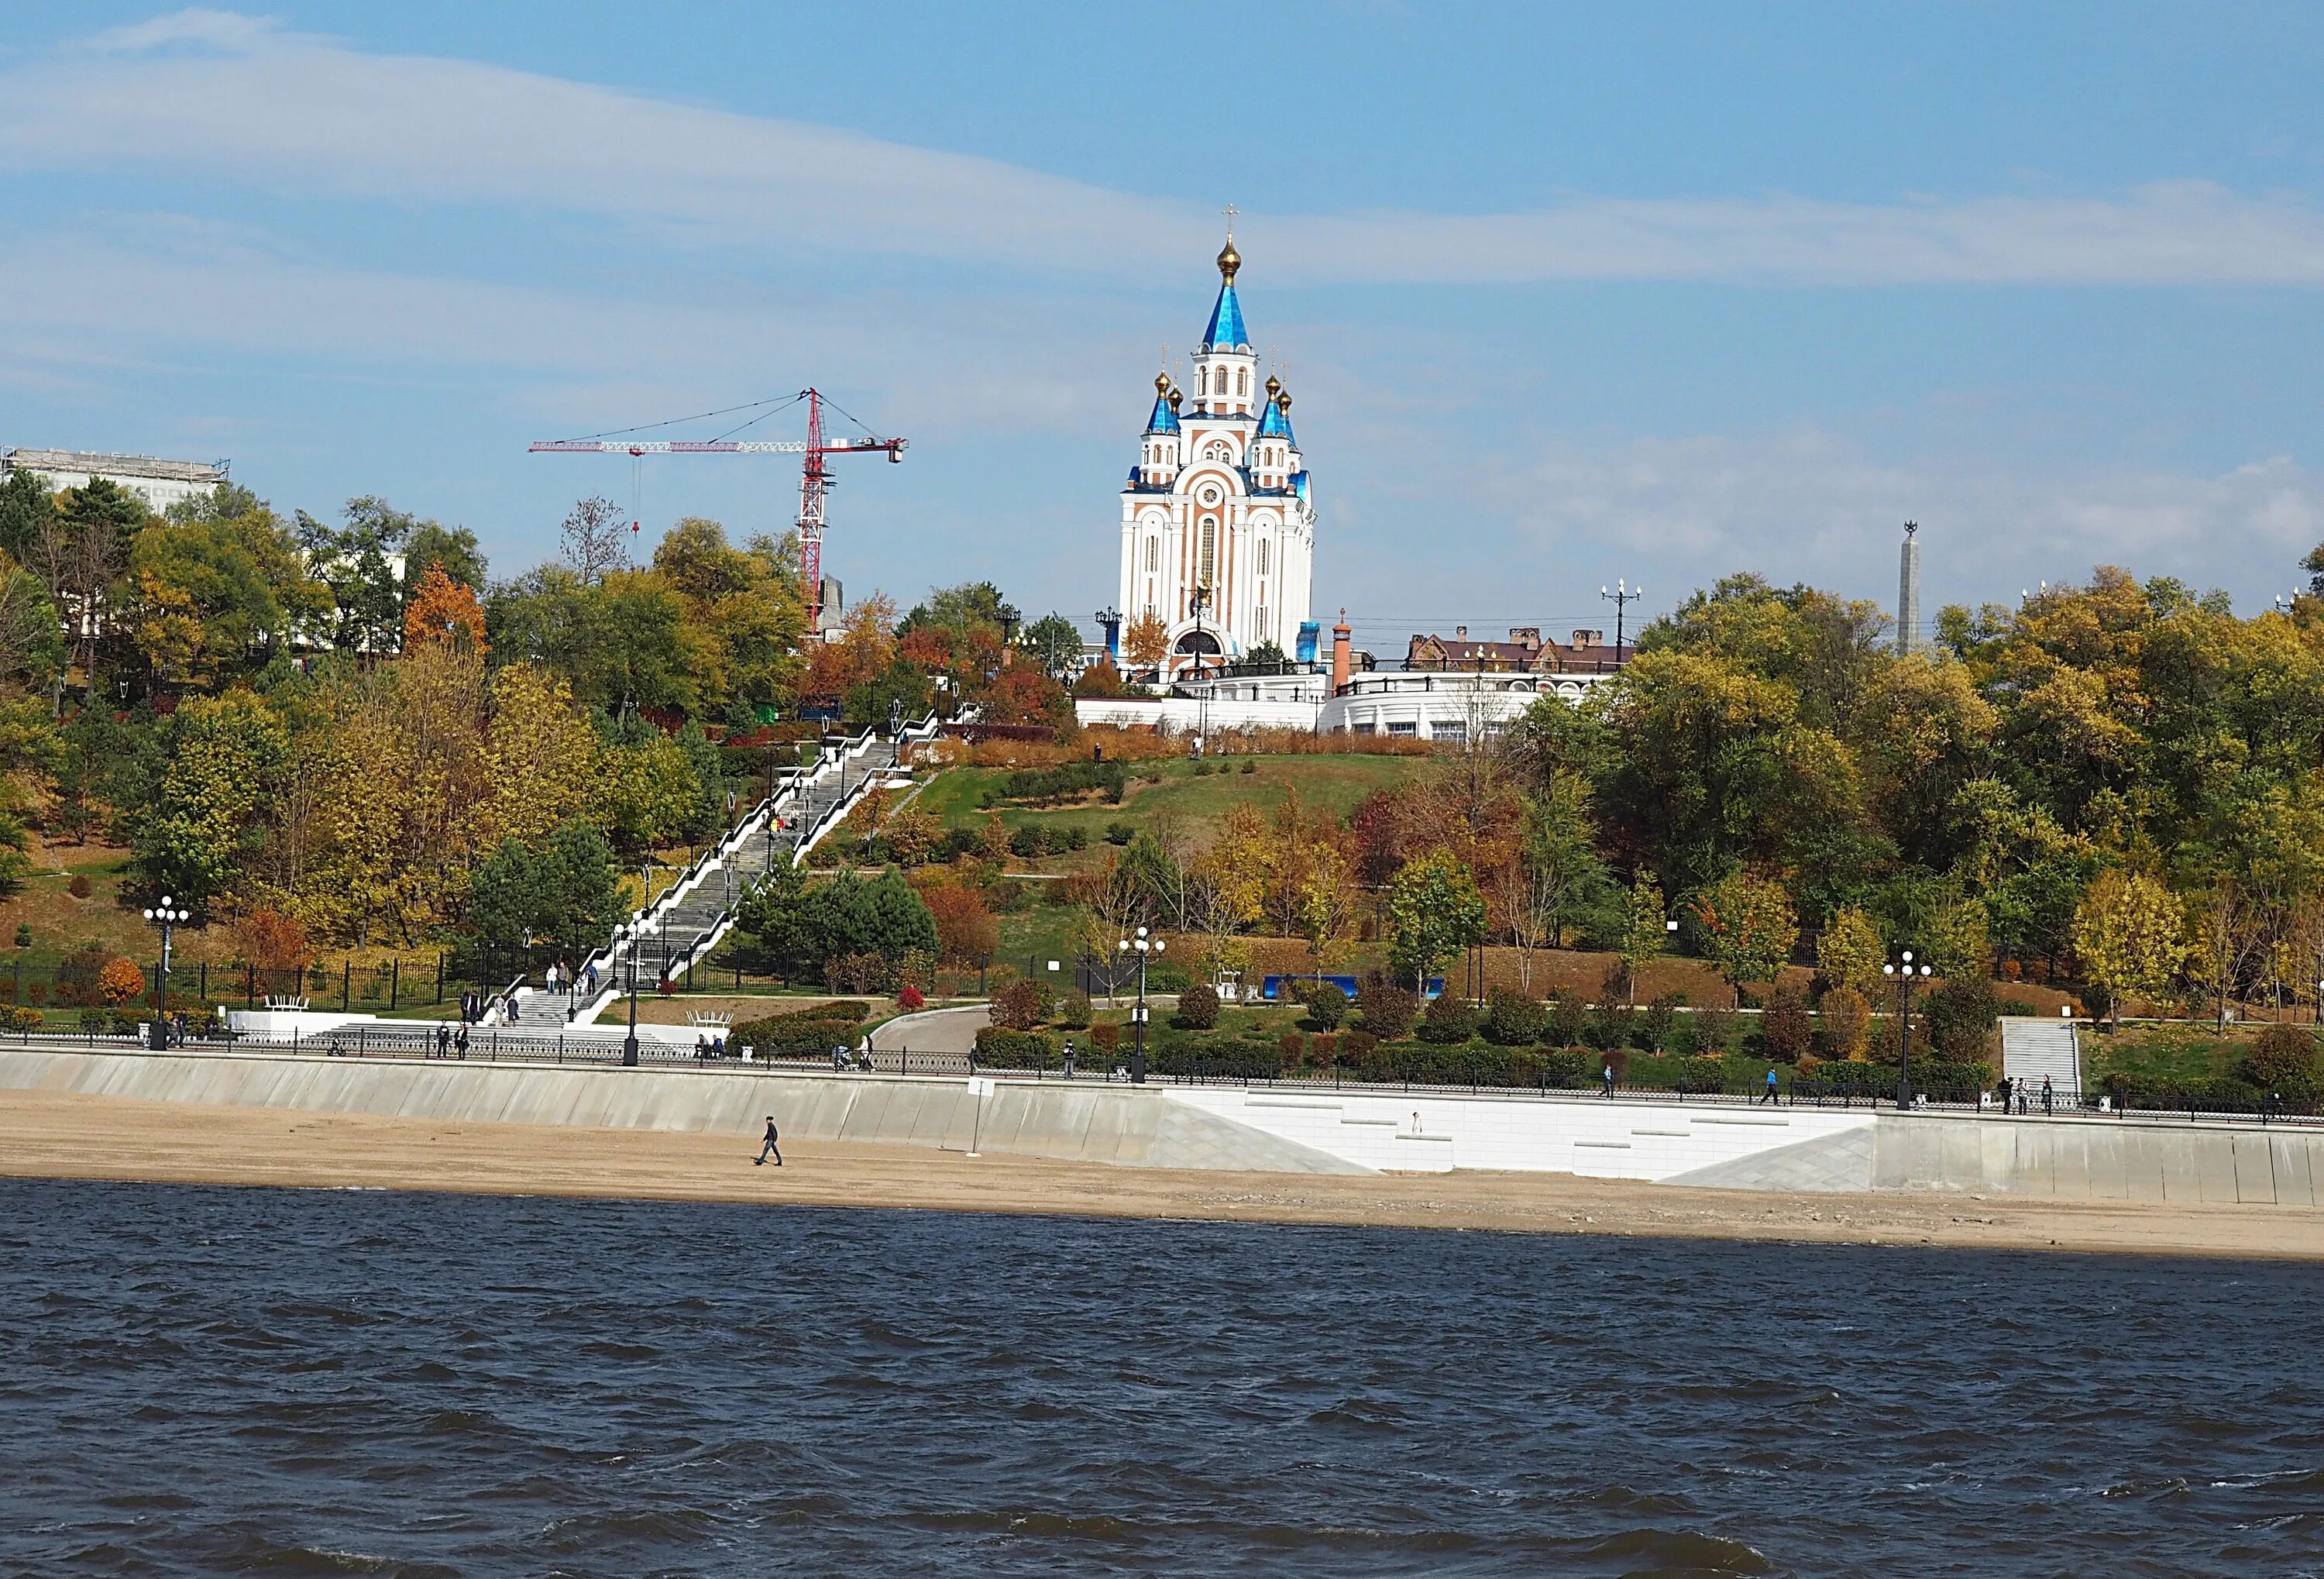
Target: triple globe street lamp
x=1904, y=975
x=1143, y=944
x=166, y=915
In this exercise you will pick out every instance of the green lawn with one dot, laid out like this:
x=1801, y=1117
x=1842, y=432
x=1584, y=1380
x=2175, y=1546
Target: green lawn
x=1331, y=786
x=2180, y=1054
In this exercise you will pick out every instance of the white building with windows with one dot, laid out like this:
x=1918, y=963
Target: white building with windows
x=161, y=483
x=1218, y=529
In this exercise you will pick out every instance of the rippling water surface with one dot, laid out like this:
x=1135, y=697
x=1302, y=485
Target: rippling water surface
x=295, y=1382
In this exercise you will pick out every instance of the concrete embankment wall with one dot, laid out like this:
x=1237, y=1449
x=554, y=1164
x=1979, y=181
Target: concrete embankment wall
x=1087, y=1123
x=2101, y=1159
x=1436, y=1132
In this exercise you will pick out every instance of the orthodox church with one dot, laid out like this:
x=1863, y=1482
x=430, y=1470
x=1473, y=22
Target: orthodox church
x=1218, y=531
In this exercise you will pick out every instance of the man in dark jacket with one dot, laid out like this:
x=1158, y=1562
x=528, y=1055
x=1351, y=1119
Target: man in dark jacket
x=769, y=1148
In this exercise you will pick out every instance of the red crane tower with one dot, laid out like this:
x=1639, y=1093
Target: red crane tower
x=814, y=477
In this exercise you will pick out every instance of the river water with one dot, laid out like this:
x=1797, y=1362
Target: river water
x=212, y=1380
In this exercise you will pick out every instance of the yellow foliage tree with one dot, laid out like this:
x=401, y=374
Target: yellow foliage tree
x=539, y=756
x=1849, y=953
x=2130, y=933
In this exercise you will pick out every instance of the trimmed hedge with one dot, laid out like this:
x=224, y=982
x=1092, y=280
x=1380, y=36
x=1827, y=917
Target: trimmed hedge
x=1847, y=1080
x=2227, y=1095
x=999, y=1048
x=788, y=1036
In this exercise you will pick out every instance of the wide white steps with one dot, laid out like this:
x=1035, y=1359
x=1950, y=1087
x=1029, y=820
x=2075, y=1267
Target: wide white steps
x=2033, y=1049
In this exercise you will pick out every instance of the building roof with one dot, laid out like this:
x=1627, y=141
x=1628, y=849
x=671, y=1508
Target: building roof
x=1226, y=332
x=1277, y=423
x=1528, y=652
x=111, y=465
x=1164, y=420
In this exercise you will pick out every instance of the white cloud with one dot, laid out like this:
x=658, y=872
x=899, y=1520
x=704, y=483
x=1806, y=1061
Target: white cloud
x=232, y=97
x=1811, y=505
x=154, y=287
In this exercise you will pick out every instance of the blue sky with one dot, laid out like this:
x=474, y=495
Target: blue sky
x=1563, y=292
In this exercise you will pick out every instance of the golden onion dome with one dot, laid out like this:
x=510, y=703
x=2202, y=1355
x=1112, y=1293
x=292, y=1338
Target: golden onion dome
x=1161, y=384
x=1230, y=261
x=1273, y=386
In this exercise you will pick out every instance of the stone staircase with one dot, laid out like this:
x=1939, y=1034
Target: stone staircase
x=2032, y=1048
x=689, y=918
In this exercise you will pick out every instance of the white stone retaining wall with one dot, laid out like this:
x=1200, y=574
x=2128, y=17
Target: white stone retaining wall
x=1438, y=1131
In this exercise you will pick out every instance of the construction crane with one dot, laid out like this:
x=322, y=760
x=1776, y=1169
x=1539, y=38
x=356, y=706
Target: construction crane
x=814, y=477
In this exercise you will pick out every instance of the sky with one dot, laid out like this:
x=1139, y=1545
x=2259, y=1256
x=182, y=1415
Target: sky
x=1565, y=294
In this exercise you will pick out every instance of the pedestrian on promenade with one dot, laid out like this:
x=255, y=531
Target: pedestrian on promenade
x=444, y=1041
x=2001, y=1090
x=1607, y=1075
x=2049, y=1098
x=701, y=1047
x=769, y=1148
x=1069, y=1057
x=1769, y=1098
x=460, y=1041
x=590, y=971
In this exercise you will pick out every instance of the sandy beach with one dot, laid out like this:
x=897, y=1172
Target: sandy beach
x=51, y=1135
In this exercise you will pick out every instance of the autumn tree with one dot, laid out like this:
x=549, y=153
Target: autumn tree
x=271, y=942
x=967, y=932
x=1146, y=643
x=443, y=610
x=1748, y=928
x=2130, y=933
x=1849, y=952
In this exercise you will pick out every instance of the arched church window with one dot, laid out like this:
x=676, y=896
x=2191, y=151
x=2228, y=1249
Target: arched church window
x=1208, y=565
x=1262, y=556
x=1242, y=380
x=1201, y=382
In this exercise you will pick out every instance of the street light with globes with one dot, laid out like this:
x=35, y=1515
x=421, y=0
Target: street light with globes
x=166, y=915
x=1904, y=974
x=1145, y=946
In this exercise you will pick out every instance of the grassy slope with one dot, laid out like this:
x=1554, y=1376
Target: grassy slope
x=1332, y=785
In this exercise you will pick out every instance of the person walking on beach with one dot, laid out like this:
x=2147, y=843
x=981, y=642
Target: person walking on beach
x=769, y=1148
x=2049, y=1098
x=1770, y=1096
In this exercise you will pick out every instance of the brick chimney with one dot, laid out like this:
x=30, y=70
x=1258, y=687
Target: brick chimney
x=1341, y=636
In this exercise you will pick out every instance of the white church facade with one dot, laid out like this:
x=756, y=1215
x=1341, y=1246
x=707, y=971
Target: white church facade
x=1217, y=526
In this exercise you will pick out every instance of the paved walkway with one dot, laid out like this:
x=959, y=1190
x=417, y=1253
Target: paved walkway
x=934, y=1030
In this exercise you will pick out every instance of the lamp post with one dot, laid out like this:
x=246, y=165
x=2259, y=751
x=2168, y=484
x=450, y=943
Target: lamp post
x=165, y=915
x=630, y=1043
x=1144, y=946
x=1904, y=975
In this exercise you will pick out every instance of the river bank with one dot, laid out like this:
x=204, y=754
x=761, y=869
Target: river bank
x=55, y=1135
